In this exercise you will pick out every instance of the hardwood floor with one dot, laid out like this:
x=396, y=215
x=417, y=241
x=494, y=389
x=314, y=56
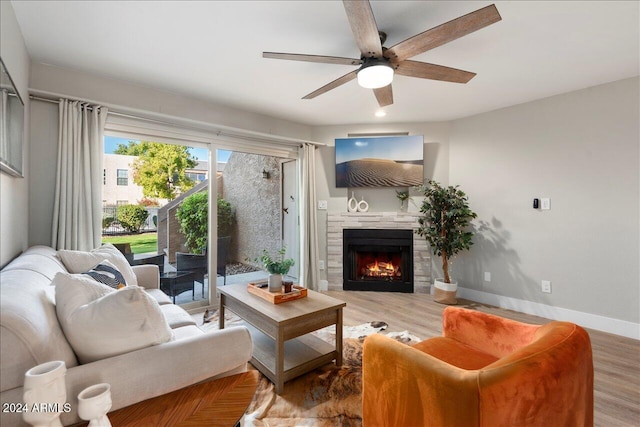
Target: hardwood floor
x=616, y=359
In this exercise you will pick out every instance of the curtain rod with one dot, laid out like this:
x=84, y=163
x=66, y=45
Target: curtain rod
x=222, y=131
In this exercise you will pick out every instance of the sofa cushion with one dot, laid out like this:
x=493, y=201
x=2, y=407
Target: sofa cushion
x=159, y=296
x=81, y=261
x=176, y=317
x=100, y=322
x=107, y=274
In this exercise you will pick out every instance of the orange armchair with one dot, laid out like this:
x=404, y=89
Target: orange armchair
x=484, y=371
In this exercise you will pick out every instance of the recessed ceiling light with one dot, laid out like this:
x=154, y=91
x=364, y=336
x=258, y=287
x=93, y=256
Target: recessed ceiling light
x=381, y=113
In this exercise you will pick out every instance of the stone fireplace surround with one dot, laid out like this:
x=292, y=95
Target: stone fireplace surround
x=338, y=221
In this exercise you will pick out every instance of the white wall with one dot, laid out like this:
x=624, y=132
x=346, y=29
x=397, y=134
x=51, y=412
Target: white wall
x=14, y=208
x=130, y=98
x=581, y=150
x=436, y=166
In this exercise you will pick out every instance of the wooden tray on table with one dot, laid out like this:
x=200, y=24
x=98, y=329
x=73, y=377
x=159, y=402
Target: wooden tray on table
x=297, y=292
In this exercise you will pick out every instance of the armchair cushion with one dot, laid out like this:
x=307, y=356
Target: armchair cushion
x=455, y=353
x=100, y=322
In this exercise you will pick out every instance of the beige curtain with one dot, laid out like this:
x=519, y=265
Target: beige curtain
x=4, y=120
x=77, y=215
x=309, y=273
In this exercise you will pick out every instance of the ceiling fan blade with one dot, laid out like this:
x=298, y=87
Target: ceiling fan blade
x=384, y=95
x=364, y=28
x=425, y=70
x=444, y=33
x=334, y=84
x=312, y=58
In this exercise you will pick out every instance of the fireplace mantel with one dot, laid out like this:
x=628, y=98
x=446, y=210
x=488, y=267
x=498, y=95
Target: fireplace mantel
x=338, y=221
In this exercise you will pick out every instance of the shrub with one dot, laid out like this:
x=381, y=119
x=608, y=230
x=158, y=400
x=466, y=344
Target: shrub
x=225, y=217
x=193, y=217
x=148, y=202
x=132, y=217
x=107, y=221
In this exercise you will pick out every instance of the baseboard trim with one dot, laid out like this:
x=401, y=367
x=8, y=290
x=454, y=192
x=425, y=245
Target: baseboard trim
x=587, y=320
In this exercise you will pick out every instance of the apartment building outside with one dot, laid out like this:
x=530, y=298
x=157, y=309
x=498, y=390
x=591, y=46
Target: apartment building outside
x=118, y=187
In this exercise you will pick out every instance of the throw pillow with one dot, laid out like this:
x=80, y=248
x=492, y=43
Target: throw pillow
x=100, y=322
x=107, y=274
x=81, y=261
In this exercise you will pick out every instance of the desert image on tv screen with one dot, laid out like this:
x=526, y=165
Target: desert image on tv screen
x=395, y=161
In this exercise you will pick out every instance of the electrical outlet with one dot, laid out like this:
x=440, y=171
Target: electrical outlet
x=322, y=205
x=321, y=264
x=546, y=286
x=324, y=285
x=487, y=276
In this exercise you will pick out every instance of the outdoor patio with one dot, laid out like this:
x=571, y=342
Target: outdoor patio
x=186, y=297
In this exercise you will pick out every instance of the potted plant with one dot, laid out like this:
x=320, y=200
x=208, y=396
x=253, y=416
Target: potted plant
x=276, y=266
x=402, y=196
x=446, y=216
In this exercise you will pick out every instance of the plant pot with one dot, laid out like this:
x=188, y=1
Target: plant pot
x=275, y=282
x=445, y=293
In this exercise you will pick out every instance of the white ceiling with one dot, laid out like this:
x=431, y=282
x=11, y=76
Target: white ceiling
x=212, y=50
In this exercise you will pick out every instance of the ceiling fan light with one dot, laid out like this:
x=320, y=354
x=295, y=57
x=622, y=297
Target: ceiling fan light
x=375, y=76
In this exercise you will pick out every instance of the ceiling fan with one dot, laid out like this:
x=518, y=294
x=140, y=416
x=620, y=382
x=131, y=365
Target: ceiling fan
x=378, y=63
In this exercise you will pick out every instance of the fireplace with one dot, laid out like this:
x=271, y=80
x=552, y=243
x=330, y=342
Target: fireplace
x=378, y=260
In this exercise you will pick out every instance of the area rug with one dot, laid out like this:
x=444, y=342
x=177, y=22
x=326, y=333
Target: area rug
x=326, y=397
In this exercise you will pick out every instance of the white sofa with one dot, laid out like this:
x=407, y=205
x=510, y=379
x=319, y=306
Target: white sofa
x=30, y=334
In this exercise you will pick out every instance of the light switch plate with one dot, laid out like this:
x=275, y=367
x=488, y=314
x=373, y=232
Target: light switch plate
x=322, y=205
x=545, y=204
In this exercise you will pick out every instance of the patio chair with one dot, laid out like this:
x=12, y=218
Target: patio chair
x=154, y=259
x=125, y=248
x=196, y=263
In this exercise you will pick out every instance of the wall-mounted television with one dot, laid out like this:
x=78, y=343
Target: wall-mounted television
x=386, y=161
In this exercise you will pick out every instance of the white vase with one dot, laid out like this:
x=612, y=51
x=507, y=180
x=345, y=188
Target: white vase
x=45, y=394
x=363, y=206
x=94, y=403
x=352, y=204
x=275, y=282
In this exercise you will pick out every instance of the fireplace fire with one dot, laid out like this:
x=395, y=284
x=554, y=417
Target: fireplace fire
x=380, y=267
x=378, y=260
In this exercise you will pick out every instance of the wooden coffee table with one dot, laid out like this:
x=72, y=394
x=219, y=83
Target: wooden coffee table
x=218, y=403
x=282, y=346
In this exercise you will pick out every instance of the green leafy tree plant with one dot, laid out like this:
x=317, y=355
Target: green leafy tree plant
x=132, y=217
x=446, y=216
x=160, y=169
x=193, y=217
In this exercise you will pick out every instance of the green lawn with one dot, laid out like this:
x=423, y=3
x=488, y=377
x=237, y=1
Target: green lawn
x=140, y=243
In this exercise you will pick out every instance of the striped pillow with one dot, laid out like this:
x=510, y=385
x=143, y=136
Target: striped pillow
x=107, y=274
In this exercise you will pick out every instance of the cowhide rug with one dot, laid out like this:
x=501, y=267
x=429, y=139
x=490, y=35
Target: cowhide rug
x=326, y=397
